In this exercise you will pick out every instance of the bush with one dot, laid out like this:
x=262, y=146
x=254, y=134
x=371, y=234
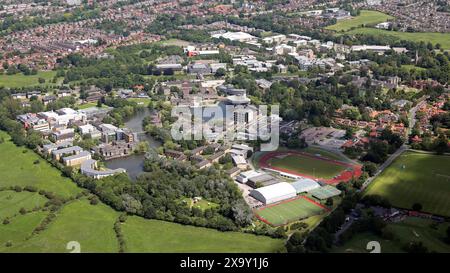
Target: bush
x=122, y=218
x=417, y=207
x=94, y=201
x=8, y=244
x=6, y=221
x=30, y=188
x=18, y=188
x=22, y=211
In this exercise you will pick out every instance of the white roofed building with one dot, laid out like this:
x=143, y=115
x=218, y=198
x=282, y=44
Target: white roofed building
x=305, y=185
x=274, y=193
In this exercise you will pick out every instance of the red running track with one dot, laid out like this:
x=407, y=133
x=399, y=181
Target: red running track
x=352, y=171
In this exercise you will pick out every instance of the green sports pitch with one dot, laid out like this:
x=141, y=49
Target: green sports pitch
x=416, y=178
x=292, y=210
x=307, y=165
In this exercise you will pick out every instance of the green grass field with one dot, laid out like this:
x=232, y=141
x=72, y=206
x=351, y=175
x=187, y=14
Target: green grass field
x=19, y=229
x=367, y=17
x=306, y=165
x=11, y=202
x=425, y=179
x=410, y=229
x=18, y=169
x=433, y=37
x=156, y=236
x=91, y=226
x=285, y=213
x=20, y=80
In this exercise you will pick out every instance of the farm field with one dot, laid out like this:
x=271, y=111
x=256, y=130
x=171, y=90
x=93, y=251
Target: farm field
x=156, y=236
x=20, y=80
x=424, y=179
x=18, y=169
x=433, y=37
x=286, y=212
x=367, y=17
x=410, y=229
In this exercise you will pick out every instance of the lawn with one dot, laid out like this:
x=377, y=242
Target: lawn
x=174, y=42
x=90, y=225
x=410, y=67
x=21, y=80
x=143, y=235
x=18, y=169
x=406, y=231
x=143, y=101
x=367, y=17
x=433, y=37
x=201, y=204
x=425, y=179
x=90, y=105
x=307, y=165
x=284, y=213
x=11, y=202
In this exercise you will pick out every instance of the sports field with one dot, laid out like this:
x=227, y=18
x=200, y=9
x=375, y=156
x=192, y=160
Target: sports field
x=291, y=210
x=21, y=80
x=309, y=165
x=410, y=229
x=367, y=17
x=416, y=178
x=433, y=37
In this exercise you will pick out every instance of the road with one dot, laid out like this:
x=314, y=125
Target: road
x=404, y=147
x=412, y=113
x=383, y=166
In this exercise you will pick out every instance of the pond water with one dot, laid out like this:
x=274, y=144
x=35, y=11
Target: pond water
x=134, y=164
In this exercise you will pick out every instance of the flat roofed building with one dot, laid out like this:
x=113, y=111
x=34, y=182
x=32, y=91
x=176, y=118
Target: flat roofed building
x=274, y=193
x=76, y=159
x=262, y=180
x=305, y=185
x=244, y=176
x=57, y=154
x=88, y=168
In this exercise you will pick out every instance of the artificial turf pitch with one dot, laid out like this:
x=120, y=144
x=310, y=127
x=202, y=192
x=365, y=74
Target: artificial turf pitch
x=289, y=211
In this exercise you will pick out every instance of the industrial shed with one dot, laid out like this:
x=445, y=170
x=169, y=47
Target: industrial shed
x=274, y=193
x=305, y=185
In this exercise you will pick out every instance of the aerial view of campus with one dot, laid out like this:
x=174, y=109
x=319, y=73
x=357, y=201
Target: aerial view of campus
x=229, y=126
